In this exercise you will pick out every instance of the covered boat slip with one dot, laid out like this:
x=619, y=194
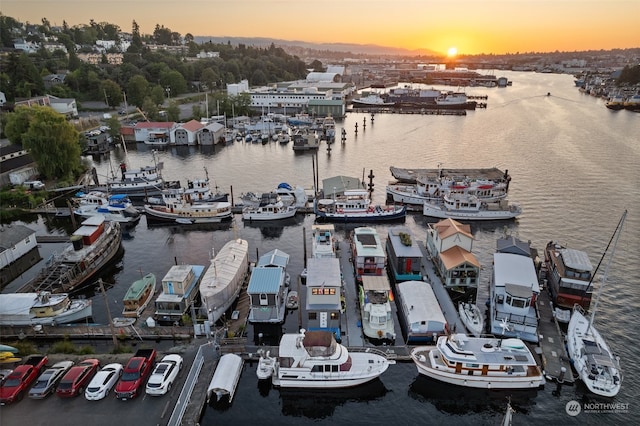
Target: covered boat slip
x=226, y=377
x=420, y=313
x=376, y=288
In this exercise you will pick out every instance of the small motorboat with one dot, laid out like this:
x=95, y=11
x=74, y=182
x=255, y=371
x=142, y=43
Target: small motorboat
x=292, y=300
x=471, y=316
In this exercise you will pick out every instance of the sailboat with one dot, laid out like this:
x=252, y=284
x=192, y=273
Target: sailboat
x=597, y=366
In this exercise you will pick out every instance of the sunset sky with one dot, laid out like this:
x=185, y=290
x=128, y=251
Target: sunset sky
x=471, y=26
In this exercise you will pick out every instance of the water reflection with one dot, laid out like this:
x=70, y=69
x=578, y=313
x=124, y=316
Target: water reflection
x=460, y=400
x=272, y=229
x=321, y=403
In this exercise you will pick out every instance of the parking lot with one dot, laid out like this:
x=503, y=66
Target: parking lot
x=141, y=411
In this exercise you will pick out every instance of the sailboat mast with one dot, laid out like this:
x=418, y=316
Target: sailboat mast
x=617, y=233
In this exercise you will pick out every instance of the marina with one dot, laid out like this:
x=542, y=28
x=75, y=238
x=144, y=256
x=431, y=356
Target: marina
x=163, y=244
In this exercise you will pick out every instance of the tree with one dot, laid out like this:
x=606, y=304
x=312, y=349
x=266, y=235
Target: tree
x=175, y=81
x=112, y=92
x=209, y=77
x=137, y=90
x=173, y=112
x=157, y=95
x=114, y=126
x=150, y=109
x=51, y=140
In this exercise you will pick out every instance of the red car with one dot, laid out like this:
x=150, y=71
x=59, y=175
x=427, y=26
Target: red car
x=78, y=376
x=15, y=385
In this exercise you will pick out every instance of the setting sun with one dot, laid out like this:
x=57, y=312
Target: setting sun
x=452, y=52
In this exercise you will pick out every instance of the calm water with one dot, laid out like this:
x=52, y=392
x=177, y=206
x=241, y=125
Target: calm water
x=575, y=169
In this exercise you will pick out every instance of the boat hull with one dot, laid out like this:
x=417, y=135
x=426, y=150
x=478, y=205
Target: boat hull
x=396, y=214
x=436, y=211
x=163, y=214
x=603, y=378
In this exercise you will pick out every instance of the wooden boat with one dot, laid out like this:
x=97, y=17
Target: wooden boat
x=270, y=208
x=93, y=246
x=179, y=208
x=355, y=206
x=479, y=362
x=138, y=296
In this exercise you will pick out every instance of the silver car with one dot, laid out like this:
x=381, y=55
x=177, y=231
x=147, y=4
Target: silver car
x=46, y=383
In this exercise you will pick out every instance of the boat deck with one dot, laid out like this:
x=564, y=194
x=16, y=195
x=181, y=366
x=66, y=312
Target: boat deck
x=410, y=175
x=551, y=343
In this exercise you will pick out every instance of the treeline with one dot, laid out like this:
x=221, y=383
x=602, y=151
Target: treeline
x=629, y=76
x=143, y=74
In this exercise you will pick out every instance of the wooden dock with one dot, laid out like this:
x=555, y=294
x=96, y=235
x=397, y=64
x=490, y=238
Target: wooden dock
x=551, y=348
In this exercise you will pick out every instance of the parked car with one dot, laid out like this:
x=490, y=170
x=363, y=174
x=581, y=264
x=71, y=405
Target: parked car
x=164, y=375
x=48, y=380
x=136, y=371
x=74, y=382
x=103, y=382
x=33, y=184
x=15, y=385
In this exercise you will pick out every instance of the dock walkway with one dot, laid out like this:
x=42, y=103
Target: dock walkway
x=551, y=343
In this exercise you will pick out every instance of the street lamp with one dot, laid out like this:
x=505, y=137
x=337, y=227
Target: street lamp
x=168, y=90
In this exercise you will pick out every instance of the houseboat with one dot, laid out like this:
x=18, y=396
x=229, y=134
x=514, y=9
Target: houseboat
x=375, y=308
x=222, y=282
x=404, y=257
x=324, y=295
x=368, y=254
x=449, y=244
x=420, y=315
x=267, y=290
x=569, y=276
x=179, y=291
x=139, y=296
x=513, y=292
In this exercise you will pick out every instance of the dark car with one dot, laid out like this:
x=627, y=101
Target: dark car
x=77, y=378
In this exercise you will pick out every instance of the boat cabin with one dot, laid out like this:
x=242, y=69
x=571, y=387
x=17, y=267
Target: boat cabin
x=420, y=314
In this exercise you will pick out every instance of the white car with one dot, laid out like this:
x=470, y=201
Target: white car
x=164, y=374
x=47, y=381
x=103, y=381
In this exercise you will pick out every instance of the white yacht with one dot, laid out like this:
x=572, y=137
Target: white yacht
x=461, y=206
x=313, y=359
x=479, y=362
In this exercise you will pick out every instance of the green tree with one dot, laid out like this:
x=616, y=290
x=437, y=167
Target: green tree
x=51, y=140
x=157, y=95
x=114, y=126
x=173, y=112
x=137, y=89
x=112, y=92
x=150, y=109
x=175, y=81
x=209, y=77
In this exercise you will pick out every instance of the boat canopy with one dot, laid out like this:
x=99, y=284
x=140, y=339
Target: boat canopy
x=576, y=259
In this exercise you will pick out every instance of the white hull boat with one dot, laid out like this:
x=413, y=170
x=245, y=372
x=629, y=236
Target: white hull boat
x=470, y=207
x=42, y=308
x=479, y=362
x=597, y=366
x=471, y=318
x=314, y=360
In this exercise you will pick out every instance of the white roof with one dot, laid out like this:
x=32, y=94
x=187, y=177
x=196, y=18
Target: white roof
x=515, y=270
x=323, y=271
x=226, y=376
x=14, y=305
x=576, y=259
x=420, y=303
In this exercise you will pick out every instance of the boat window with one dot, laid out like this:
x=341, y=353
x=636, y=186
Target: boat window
x=264, y=300
x=313, y=315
